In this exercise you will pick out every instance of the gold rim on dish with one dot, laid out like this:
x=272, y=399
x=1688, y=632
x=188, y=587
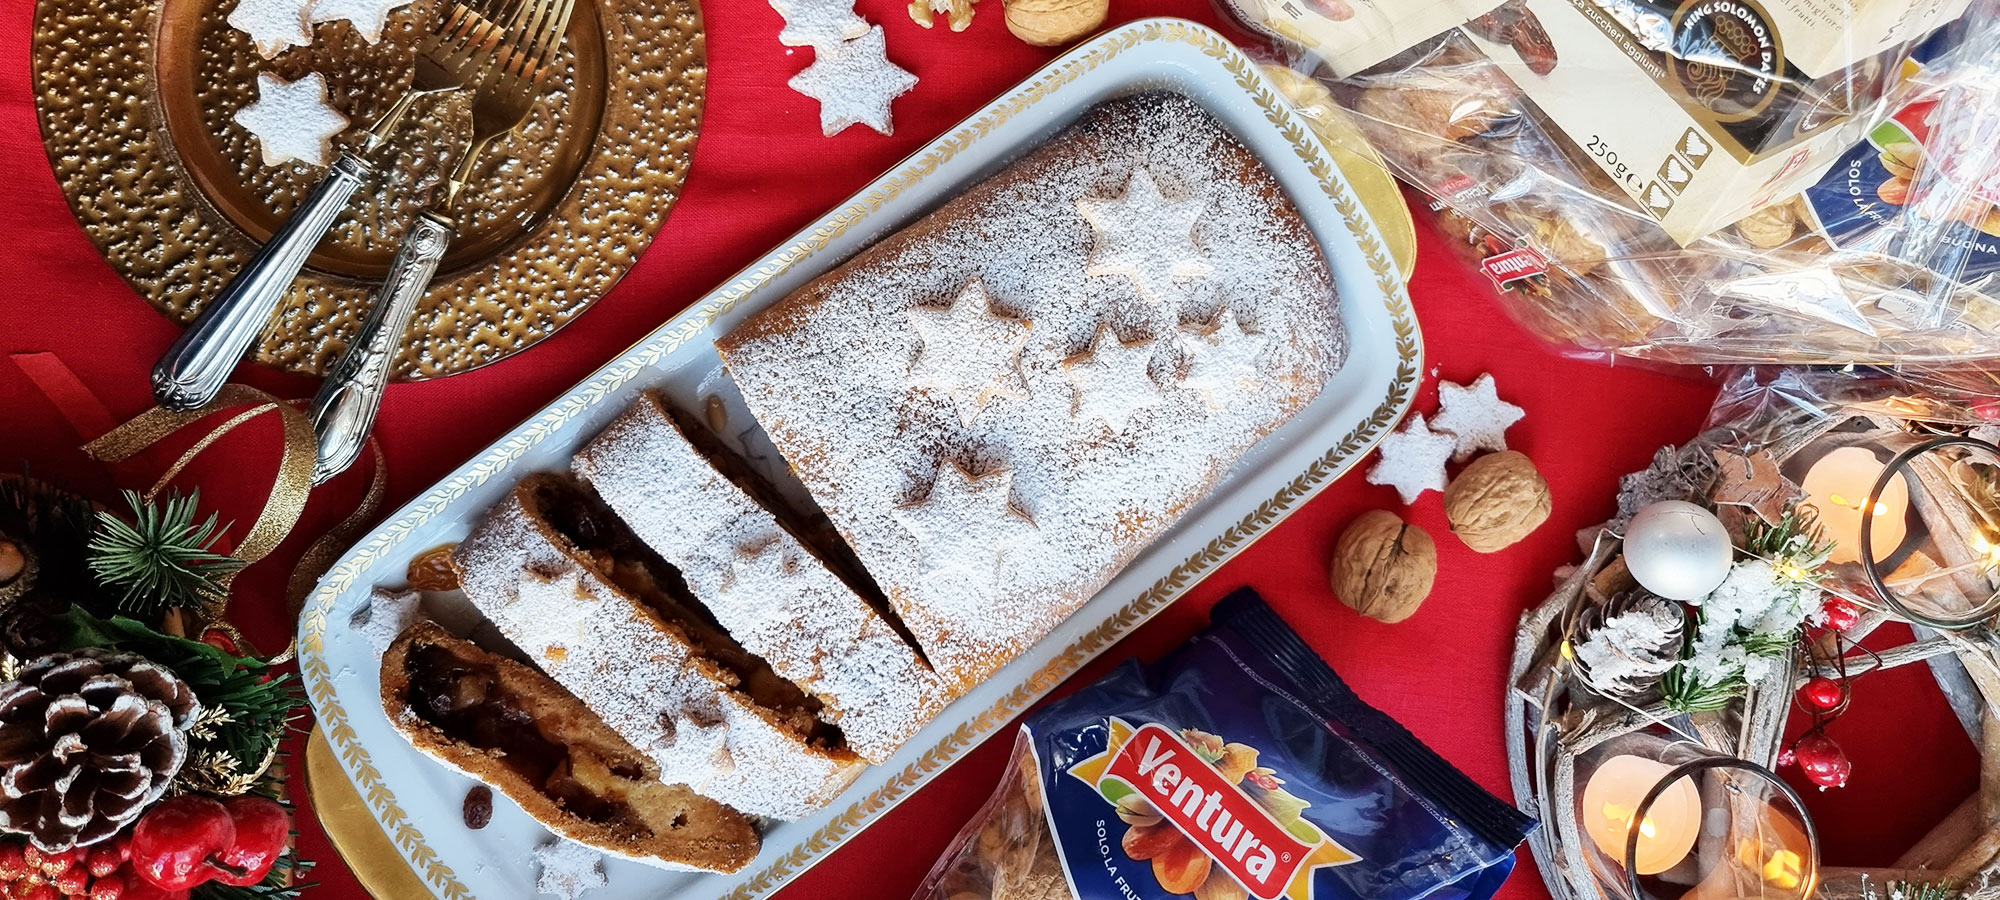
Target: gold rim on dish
x=136, y=100
x=690, y=325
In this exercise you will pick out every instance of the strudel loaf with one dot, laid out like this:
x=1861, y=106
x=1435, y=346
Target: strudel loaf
x=697, y=504
x=563, y=579
x=511, y=727
x=1003, y=403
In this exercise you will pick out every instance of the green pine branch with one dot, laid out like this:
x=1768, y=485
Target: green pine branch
x=163, y=557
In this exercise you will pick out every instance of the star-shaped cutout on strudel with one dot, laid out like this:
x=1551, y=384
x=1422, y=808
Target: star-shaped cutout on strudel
x=755, y=569
x=1111, y=380
x=966, y=526
x=1222, y=358
x=1145, y=237
x=970, y=352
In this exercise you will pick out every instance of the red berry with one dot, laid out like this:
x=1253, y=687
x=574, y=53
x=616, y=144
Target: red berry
x=33, y=855
x=1823, y=694
x=73, y=881
x=58, y=863
x=103, y=860
x=138, y=888
x=13, y=861
x=108, y=889
x=262, y=831
x=1822, y=761
x=40, y=892
x=1840, y=614
x=173, y=841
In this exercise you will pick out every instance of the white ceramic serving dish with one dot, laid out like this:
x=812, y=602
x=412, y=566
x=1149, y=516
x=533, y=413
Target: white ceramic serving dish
x=418, y=801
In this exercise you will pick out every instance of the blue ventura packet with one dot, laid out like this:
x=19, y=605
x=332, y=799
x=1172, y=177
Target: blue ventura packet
x=1241, y=766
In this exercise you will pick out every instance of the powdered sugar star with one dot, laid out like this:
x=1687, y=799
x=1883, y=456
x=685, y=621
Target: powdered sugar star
x=272, y=25
x=1111, y=380
x=1145, y=237
x=967, y=525
x=1412, y=460
x=367, y=16
x=386, y=614
x=818, y=23
x=568, y=869
x=291, y=120
x=1222, y=358
x=970, y=352
x=854, y=83
x=1475, y=416
x=694, y=735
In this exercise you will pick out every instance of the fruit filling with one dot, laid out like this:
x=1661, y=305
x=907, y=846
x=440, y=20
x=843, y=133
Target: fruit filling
x=470, y=703
x=597, y=534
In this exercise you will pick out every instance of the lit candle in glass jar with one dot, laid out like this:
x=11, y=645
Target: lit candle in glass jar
x=1670, y=827
x=1837, y=488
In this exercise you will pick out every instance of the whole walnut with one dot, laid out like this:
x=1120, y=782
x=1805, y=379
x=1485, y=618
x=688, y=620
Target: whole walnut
x=1496, y=501
x=1053, y=23
x=1383, y=567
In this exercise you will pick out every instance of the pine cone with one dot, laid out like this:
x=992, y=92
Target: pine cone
x=88, y=740
x=1625, y=647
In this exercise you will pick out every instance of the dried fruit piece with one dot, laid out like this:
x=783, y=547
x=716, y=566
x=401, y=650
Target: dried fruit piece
x=432, y=570
x=1144, y=842
x=1383, y=567
x=1237, y=761
x=1182, y=868
x=1496, y=501
x=1220, y=886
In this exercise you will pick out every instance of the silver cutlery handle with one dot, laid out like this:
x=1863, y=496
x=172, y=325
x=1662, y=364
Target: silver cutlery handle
x=192, y=371
x=344, y=410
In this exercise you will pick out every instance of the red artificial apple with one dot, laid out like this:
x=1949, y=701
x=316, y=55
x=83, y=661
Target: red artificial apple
x=1823, y=694
x=1822, y=761
x=173, y=841
x=138, y=888
x=262, y=831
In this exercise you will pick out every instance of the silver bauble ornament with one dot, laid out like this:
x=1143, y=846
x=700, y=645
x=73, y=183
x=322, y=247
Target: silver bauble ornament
x=1677, y=550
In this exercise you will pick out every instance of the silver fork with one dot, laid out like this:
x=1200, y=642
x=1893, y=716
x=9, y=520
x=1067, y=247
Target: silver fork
x=191, y=371
x=523, y=58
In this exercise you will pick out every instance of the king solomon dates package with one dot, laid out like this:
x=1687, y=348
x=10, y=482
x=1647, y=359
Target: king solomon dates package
x=1241, y=766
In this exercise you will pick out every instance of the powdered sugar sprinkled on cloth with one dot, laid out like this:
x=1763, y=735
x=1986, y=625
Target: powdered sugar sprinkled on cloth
x=639, y=677
x=1145, y=237
x=824, y=372
x=1412, y=460
x=818, y=23
x=367, y=16
x=291, y=120
x=1475, y=417
x=273, y=25
x=760, y=583
x=854, y=83
x=568, y=869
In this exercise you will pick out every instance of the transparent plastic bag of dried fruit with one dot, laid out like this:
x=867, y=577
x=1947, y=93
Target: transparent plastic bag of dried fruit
x=1692, y=181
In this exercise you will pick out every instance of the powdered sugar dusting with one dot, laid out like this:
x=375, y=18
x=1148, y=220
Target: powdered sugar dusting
x=823, y=371
x=854, y=83
x=761, y=584
x=568, y=869
x=818, y=23
x=970, y=351
x=640, y=677
x=1222, y=360
x=1112, y=379
x=1143, y=236
x=385, y=615
x=273, y=25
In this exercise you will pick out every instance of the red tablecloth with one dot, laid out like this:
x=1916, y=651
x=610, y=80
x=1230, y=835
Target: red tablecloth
x=761, y=171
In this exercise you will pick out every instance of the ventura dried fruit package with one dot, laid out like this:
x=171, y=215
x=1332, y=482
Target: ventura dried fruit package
x=1693, y=181
x=1239, y=767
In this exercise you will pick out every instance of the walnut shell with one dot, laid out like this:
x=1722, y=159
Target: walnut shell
x=1052, y=23
x=1383, y=567
x=1496, y=501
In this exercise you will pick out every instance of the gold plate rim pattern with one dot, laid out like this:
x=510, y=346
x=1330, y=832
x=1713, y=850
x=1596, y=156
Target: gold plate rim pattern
x=319, y=675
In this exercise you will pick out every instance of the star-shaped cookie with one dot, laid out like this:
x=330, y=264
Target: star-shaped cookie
x=970, y=352
x=818, y=23
x=1222, y=358
x=273, y=25
x=1111, y=380
x=1475, y=417
x=1412, y=460
x=854, y=83
x=1145, y=237
x=291, y=120
x=568, y=869
x=367, y=16
x=966, y=525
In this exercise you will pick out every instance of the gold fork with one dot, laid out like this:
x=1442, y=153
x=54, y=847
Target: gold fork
x=450, y=56
x=523, y=58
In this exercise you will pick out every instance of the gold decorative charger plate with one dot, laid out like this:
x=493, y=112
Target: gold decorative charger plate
x=418, y=803
x=136, y=100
